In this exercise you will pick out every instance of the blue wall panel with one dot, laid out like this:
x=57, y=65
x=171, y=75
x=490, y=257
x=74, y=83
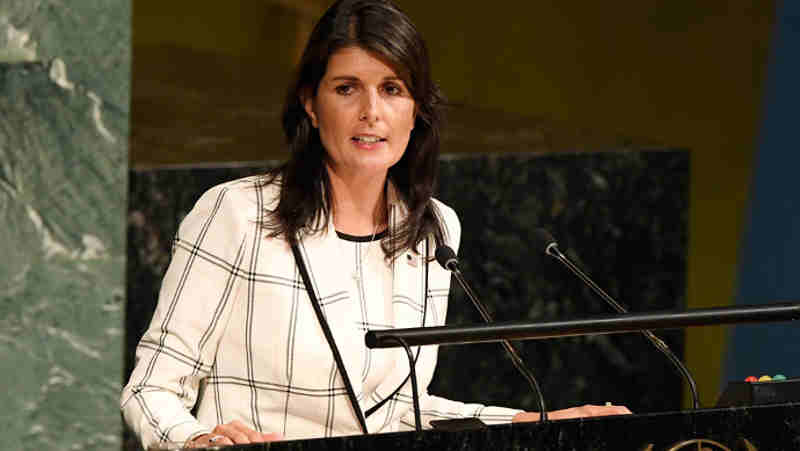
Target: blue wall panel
x=769, y=269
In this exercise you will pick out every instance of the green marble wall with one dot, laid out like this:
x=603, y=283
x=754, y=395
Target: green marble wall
x=64, y=100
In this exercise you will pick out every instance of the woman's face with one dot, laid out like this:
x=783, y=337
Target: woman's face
x=364, y=114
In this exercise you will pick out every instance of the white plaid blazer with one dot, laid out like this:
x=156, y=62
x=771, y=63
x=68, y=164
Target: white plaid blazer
x=235, y=337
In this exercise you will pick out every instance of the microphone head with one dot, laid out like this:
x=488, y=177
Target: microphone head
x=446, y=256
x=542, y=239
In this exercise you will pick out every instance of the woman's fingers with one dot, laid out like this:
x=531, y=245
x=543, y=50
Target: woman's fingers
x=208, y=440
x=253, y=436
x=271, y=437
x=619, y=410
x=238, y=432
x=587, y=410
x=234, y=433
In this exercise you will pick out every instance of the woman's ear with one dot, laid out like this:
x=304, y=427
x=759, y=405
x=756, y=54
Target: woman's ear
x=308, y=104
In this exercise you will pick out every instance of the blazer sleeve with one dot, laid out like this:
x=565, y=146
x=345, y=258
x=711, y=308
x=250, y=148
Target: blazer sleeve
x=438, y=408
x=178, y=349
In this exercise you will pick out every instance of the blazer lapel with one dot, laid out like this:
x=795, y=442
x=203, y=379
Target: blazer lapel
x=408, y=274
x=321, y=252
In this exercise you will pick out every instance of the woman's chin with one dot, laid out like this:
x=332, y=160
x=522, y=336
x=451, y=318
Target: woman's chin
x=367, y=165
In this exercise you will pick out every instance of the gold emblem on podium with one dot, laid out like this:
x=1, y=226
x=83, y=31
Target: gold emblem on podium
x=703, y=444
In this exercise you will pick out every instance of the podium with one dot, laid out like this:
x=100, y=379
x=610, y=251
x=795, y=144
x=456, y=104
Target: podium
x=773, y=428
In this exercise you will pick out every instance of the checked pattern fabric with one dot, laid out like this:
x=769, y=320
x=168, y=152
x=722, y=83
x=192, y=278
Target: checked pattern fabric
x=234, y=336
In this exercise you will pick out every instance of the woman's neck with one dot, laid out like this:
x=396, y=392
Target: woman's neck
x=359, y=203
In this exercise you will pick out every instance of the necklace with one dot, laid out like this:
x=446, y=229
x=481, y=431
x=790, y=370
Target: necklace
x=357, y=269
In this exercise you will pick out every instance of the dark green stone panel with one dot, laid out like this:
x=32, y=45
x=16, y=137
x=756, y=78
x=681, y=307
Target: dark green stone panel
x=64, y=95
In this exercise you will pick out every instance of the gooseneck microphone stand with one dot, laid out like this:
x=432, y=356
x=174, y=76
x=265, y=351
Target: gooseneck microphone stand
x=447, y=258
x=551, y=248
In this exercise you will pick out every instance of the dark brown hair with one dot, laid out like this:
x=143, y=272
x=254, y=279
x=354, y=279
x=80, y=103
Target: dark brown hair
x=379, y=27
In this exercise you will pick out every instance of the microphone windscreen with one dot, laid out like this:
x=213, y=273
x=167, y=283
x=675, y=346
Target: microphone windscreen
x=445, y=255
x=542, y=239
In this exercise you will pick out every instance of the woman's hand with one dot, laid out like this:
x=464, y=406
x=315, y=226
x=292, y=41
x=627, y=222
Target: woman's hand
x=232, y=433
x=588, y=410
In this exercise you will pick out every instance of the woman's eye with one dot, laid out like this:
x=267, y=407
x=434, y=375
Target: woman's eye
x=393, y=90
x=344, y=90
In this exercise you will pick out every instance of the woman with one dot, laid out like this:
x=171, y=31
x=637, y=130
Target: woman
x=258, y=333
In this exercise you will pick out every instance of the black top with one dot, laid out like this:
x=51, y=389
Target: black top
x=363, y=239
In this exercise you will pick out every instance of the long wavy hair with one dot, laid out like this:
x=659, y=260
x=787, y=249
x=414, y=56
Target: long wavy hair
x=379, y=27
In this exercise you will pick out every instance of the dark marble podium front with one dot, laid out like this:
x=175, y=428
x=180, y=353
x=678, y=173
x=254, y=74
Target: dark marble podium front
x=773, y=428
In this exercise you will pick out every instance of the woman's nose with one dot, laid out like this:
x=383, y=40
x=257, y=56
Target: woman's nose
x=370, y=107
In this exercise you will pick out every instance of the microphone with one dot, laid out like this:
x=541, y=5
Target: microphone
x=447, y=259
x=543, y=240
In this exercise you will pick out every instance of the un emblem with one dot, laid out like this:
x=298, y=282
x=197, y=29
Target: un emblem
x=702, y=444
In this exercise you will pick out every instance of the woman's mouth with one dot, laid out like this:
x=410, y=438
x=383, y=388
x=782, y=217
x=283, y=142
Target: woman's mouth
x=368, y=139
x=368, y=142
